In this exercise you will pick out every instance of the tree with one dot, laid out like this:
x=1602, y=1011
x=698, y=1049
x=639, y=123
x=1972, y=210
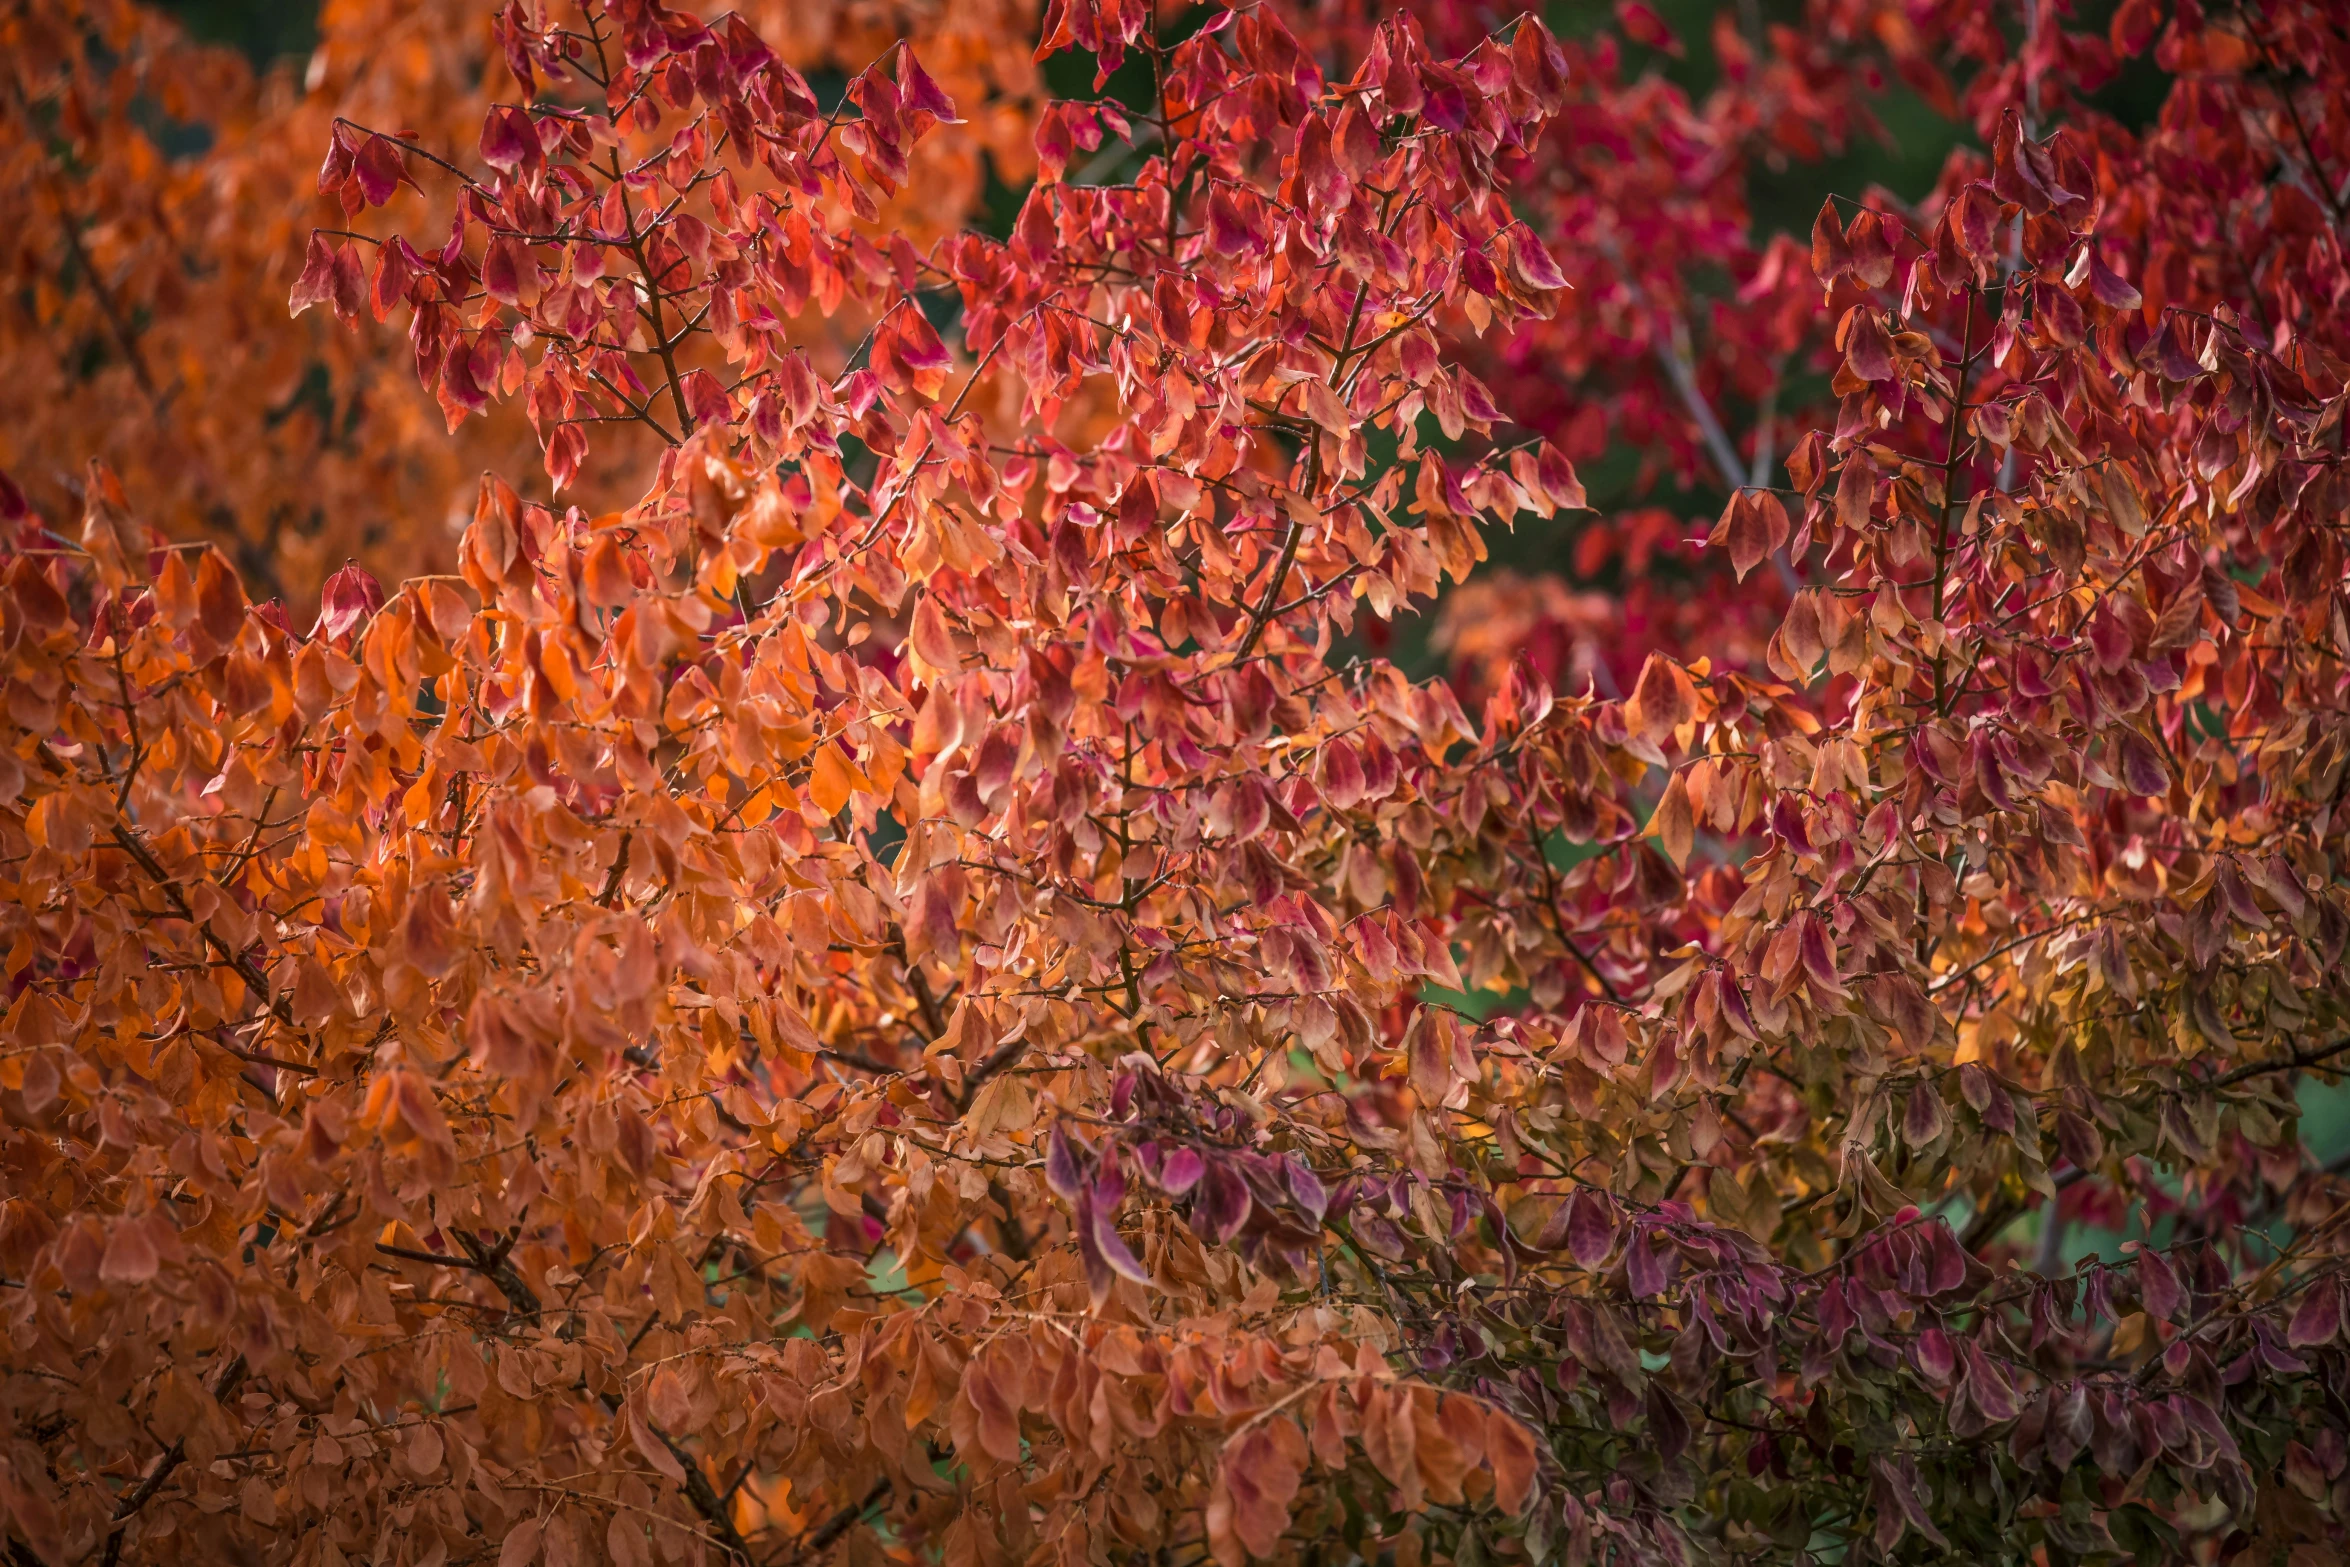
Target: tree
x=901, y=995
x=161, y=196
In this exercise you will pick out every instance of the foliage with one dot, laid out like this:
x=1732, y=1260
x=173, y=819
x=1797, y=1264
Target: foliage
x=895, y=993
x=160, y=198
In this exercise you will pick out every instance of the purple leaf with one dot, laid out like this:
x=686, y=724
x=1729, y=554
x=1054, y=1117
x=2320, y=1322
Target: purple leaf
x=1112, y=1246
x=2319, y=1318
x=2158, y=1287
x=1901, y=1500
x=1223, y=1203
x=1109, y=1188
x=2070, y=1425
x=1098, y=1277
x=1591, y=1228
x=1644, y=1271
x=1181, y=1171
x=1306, y=1186
x=1380, y=1237
x=1062, y=1171
x=1668, y=1428
x=1988, y=1387
x=1936, y=1360
x=1949, y=1261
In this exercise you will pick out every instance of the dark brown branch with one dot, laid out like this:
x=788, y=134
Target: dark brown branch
x=144, y=1492
x=1004, y=1056
x=705, y=1498
x=128, y=842
x=491, y=1264
x=826, y=1534
x=619, y=869
x=2289, y=1062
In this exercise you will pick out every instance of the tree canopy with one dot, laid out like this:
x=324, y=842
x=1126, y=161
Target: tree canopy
x=860, y=954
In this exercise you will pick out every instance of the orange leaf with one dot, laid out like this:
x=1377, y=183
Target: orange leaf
x=834, y=778
x=1509, y=1450
x=1673, y=825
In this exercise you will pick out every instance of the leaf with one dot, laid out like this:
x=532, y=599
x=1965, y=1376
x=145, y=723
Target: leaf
x=604, y=577
x=1181, y=1171
x=1428, y=1050
x=624, y=1540
x=2158, y=1286
x=998, y=1414
x=1559, y=481
x=930, y=639
x=1855, y=489
x=1902, y=1503
x=1591, y=1228
x=1261, y=1472
x=919, y=94
x=1661, y=701
x=1745, y=531
x=1644, y=1269
x=1103, y=1217
x=316, y=284
x=521, y=1547
x=1871, y=246
x=1924, y=1121
x=1831, y=258
x=1987, y=1386
x=1061, y=1167
x=131, y=1257
x=653, y=1451
x=1868, y=351
x=833, y=778
x=421, y=1456
x=2317, y=1321
x=1673, y=824
x=351, y=595
x=1904, y=1003
x=1510, y=1451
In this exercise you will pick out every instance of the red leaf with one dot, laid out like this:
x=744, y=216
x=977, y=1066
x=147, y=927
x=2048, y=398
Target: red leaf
x=1872, y=247
x=1831, y=258
x=1643, y=26
x=380, y=170
x=507, y=139
x=2110, y=287
x=1320, y=180
x=919, y=94
x=1867, y=349
x=317, y=283
x=350, y=596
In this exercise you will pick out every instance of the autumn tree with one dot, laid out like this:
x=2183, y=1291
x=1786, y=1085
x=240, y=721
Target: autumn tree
x=161, y=195
x=898, y=991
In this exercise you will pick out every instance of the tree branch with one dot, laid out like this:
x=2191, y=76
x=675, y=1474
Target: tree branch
x=822, y=1538
x=144, y=1492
